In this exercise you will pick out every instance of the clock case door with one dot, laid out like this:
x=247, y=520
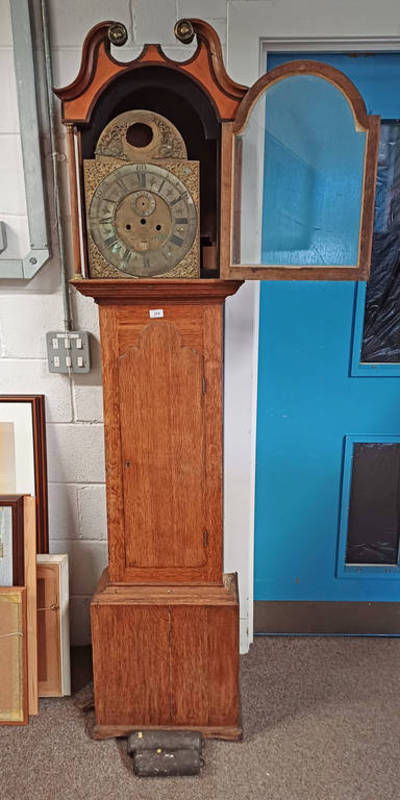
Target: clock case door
x=163, y=433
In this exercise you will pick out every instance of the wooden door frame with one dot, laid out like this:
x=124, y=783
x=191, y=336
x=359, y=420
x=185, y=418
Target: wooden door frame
x=246, y=55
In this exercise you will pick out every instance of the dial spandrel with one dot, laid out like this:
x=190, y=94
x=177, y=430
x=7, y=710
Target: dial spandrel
x=142, y=219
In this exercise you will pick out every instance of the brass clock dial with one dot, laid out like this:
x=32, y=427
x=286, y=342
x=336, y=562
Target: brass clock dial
x=142, y=219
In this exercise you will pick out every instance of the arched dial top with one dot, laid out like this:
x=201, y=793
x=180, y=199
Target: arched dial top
x=142, y=219
x=141, y=136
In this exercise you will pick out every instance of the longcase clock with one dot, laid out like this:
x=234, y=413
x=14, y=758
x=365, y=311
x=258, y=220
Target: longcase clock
x=165, y=163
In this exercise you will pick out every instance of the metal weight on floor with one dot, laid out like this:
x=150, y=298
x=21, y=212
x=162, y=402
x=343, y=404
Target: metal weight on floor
x=166, y=753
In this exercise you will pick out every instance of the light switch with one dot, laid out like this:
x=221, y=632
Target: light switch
x=68, y=351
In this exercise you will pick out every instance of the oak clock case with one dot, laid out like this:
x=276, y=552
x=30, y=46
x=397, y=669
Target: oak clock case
x=142, y=201
x=164, y=152
x=145, y=140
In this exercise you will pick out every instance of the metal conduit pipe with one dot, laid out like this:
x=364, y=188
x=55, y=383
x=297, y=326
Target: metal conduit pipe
x=56, y=158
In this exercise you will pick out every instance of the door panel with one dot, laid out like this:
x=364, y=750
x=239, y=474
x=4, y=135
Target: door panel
x=170, y=366
x=161, y=390
x=314, y=405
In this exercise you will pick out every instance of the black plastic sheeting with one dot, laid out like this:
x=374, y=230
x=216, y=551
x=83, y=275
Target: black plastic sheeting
x=374, y=513
x=381, y=335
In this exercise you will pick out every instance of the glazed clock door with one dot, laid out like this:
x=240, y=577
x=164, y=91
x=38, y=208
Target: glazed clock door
x=328, y=430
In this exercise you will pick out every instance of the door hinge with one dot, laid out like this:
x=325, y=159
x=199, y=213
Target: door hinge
x=204, y=385
x=205, y=537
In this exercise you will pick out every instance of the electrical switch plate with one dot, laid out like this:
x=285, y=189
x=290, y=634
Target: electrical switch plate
x=68, y=351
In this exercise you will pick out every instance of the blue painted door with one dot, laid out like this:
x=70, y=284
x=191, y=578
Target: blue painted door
x=321, y=408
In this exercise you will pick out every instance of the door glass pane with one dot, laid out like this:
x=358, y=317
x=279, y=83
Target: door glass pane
x=373, y=523
x=381, y=334
x=377, y=77
x=302, y=129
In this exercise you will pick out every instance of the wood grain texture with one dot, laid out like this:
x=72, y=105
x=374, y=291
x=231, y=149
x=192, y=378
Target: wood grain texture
x=201, y=68
x=163, y=450
x=213, y=353
x=165, y=594
x=223, y=666
x=156, y=662
x=166, y=657
x=205, y=32
x=132, y=323
x=205, y=665
x=236, y=215
x=98, y=68
x=127, y=292
x=189, y=665
x=49, y=644
x=14, y=707
x=162, y=382
x=228, y=734
x=112, y=440
x=130, y=664
x=31, y=601
x=227, y=164
x=369, y=190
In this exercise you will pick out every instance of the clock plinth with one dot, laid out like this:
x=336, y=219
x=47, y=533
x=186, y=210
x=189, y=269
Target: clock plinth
x=165, y=620
x=166, y=657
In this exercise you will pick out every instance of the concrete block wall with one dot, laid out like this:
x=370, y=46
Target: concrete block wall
x=29, y=309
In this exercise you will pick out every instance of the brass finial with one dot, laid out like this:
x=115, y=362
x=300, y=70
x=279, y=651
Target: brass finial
x=184, y=31
x=117, y=34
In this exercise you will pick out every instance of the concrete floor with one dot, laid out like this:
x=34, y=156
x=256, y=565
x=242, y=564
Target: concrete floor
x=321, y=721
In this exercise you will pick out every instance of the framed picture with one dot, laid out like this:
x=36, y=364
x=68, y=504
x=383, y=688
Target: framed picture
x=53, y=626
x=23, y=467
x=13, y=657
x=30, y=571
x=12, y=540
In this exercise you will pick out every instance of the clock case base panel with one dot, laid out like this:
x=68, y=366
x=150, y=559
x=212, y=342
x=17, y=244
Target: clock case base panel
x=166, y=658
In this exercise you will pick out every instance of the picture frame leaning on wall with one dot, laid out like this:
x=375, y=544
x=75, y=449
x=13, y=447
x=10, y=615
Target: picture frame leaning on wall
x=12, y=540
x=23, y=462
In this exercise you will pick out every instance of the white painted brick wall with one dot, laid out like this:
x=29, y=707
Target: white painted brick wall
x=28, y=310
